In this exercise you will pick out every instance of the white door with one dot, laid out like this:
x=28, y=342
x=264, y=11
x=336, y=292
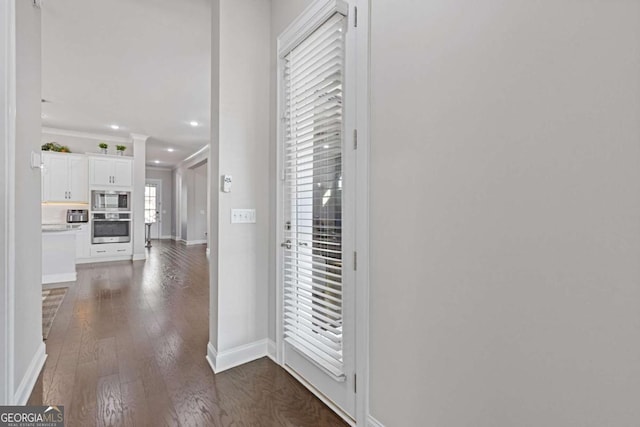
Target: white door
x=317, y=272
x=152, y=207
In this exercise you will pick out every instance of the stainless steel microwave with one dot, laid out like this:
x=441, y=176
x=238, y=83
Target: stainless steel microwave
x=110, y=200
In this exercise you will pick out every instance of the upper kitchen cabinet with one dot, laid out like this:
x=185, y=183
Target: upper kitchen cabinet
x=111, y=171
x=65, y=178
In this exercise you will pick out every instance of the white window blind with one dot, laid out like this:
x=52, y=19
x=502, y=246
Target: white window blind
x=313, y=77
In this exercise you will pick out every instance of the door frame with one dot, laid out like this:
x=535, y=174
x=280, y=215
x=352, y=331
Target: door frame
x=7, y=203
x=158, y=184
x=357, y=10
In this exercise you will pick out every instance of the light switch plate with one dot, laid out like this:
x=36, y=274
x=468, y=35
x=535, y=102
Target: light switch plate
x=243, y=216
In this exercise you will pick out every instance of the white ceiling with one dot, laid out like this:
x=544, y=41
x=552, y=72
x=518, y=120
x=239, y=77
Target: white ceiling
x=141, y=64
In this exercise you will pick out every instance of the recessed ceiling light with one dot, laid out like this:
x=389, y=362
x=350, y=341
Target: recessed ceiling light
x=171, y=150
x=115, y=127
x=156, y=161
x=194, y=123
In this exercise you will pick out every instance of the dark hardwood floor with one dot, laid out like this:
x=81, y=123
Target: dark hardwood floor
x=128, y=345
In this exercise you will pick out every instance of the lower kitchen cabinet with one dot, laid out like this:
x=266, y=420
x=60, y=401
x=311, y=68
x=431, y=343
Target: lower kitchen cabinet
x=83, y=242
x=111, y=250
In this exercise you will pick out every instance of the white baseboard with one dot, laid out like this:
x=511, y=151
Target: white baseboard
x=59, y=278
x=221, y=361
x=372, y=422
x=212, y=355
x=167, y=237
x=100, y=259
x=139, y=257
x=195, y=242
x=208, y=251
x=271, y=350
x=31, y=376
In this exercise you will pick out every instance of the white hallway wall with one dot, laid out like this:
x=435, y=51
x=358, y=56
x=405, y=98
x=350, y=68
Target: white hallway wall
x=240, y=147
x=189, y=197
x=28, y=348
x=198, y=225
x=508, y=293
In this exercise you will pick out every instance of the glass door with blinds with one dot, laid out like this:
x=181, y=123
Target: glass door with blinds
x=317, y=301
x=152, y=208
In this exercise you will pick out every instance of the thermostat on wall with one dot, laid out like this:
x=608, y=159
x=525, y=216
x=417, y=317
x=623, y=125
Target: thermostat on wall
x=226, y=183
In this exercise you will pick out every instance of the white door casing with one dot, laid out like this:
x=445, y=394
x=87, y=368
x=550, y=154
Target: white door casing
x=156, y=228
x=333, y=384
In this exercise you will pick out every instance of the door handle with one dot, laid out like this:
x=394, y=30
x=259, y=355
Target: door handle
x=286, y=244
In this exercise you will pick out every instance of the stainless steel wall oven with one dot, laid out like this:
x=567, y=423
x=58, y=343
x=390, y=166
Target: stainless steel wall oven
x=110, y=227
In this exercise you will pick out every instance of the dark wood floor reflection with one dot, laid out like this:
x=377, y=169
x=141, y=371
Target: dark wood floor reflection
x=128, y=345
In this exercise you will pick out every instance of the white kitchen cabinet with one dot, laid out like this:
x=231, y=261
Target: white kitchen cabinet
x=83, y=242
x=111, y=171
x=65, y=178
x=58, y=256
x=111, y=250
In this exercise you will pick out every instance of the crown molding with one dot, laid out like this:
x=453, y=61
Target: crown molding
x=88, y=135
x=159, y=168
x=195, y=155
x=139, y=137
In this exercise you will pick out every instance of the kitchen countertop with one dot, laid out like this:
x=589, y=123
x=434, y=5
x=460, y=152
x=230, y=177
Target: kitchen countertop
x=57, y=228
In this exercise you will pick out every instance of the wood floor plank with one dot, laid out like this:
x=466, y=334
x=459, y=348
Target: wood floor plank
x=134, y=404
x=107, y=356
x=129, y=350
x=109, y=402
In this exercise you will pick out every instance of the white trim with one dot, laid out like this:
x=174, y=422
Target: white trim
x=88, y=135
x=138, y=257
x=159, y=205
x=372, y=422
x=362, y=211
x=159, y=168
x=307, y=22
x=195, y=242
x=212, y=355
x=99, y=259
x=221, y=361
x=271, y=350
x=59, y=278
x=208, y=252
x=345, y=417
x=184, y=163
x=166, y=237
x=138, y=137
x=7, y=145
x=355, y=234
x=31, y=376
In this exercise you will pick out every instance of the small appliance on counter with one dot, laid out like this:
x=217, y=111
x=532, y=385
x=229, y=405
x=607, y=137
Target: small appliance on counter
x=77, y=215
